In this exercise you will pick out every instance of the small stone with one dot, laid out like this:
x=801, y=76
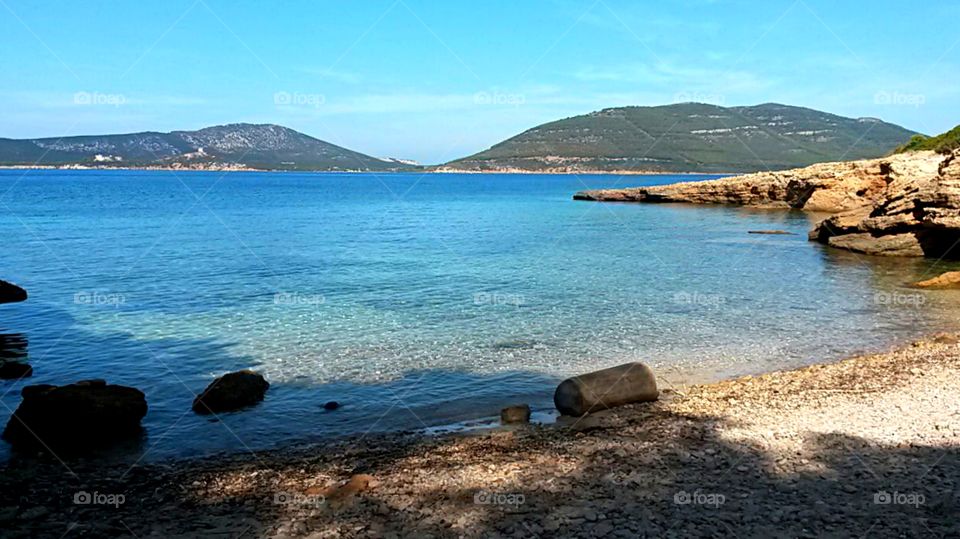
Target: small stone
x=515, y=414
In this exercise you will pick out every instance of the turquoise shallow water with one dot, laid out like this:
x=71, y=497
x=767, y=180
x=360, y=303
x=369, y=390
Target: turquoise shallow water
x=414, y=301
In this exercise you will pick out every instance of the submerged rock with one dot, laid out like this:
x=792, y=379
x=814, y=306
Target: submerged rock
x=515, y=414
x=950, y=279
x=14, y=370
x=85, y=414
x=230, y=392
x=771, y=232
x=332, y=405
x=11, y=293
x=608, y=388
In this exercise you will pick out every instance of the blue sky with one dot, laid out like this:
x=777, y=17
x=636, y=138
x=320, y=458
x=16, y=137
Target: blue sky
x=436, y=80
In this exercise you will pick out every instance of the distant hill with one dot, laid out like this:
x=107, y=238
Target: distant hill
x=255, y=146
x=943, y=143
x=689, y=137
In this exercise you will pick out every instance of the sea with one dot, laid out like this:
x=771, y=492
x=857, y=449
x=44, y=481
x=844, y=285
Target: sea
x=418, y=302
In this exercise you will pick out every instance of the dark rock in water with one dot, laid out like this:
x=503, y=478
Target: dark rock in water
x=14, y=370
x=11, y=293
x=609, y=388
x=515, y=414
x=771, y=232
x=13, y=346
x=230, y=392
x=332, y=405
x=85, y=414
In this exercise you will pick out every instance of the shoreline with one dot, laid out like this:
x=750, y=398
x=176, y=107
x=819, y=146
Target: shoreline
x=825, y=438
x=478, y=172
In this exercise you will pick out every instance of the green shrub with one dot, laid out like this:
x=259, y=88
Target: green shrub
x=945, y=143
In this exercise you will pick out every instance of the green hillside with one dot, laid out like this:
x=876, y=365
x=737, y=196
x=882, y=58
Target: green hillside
x=690, y=137
x=256, y=146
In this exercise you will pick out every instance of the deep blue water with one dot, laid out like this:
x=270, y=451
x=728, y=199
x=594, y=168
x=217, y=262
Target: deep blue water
x=413, y=300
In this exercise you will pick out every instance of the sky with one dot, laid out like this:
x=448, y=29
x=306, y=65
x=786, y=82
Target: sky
x=437, y=80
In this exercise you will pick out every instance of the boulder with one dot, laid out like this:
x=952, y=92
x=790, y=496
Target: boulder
x=950, y=279
x=11, y=293
x=14, y=370
x=85, y=414
x=230, y=392
x=515, y=414
x=608, y=388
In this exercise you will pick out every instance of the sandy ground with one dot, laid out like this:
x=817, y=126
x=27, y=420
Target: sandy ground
x=868, y=447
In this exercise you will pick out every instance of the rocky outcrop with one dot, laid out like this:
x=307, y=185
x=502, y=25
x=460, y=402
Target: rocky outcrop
x=11, y=293
x=918, y=214
x=81, y=415
x=824, y=187
x=230, y=392
x=903, y=205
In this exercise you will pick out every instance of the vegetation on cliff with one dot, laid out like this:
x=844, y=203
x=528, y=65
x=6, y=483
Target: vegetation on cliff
x=943, y=143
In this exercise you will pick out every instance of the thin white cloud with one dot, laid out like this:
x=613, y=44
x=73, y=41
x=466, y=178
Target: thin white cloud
x=344, y=77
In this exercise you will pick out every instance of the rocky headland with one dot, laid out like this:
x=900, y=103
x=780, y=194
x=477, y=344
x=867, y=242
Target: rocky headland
x=907, y=204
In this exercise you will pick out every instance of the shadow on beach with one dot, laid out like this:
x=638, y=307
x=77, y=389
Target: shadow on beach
x=642, y=471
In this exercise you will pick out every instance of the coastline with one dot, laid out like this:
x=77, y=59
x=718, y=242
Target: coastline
x=479, y=172
x=804, y=451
